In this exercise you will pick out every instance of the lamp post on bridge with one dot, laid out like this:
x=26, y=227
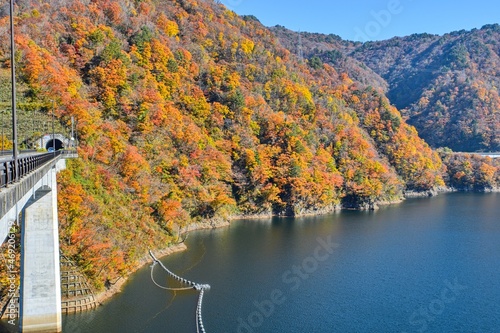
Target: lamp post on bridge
x=13, y=82
x=3, y=137
x=53, y=129
x=72, y=138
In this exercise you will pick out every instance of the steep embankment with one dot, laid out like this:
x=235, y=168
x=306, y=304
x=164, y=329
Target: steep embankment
x=187, y=112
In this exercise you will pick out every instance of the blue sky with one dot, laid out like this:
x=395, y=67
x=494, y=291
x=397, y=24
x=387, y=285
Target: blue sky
x=372, y=19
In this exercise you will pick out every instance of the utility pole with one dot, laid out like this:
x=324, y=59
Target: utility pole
x=53, y=128
x=72, y=139
x=33, y=136
x=3, y=137
x=13, y=80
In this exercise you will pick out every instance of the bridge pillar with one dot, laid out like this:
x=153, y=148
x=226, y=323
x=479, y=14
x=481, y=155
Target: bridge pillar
x=40, y=299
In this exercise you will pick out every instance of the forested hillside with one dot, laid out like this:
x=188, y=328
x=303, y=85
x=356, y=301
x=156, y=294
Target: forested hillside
x=187, y=112
x=319, y=48
x=446, y=86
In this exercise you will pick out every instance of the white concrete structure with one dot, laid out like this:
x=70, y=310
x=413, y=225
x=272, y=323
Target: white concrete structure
x=40, y=301
x=36, y=196
x=492, y=155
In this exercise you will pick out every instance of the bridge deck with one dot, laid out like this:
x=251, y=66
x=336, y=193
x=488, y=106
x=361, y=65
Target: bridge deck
x=16, y=195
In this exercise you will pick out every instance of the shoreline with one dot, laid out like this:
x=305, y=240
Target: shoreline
x=117, y=287
x=105, y=295
x=216, y=223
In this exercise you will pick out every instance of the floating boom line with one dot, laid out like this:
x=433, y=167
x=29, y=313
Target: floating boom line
x=199, y=320
x=166, y=288
x=192, y=285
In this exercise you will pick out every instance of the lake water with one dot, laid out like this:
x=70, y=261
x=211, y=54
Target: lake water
x=426, y=265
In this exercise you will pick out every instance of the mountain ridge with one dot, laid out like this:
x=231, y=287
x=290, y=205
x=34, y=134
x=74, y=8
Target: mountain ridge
x=187, y=112
x=445, y=85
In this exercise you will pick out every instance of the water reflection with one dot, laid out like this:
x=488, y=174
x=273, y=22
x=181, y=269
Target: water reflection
x=387, y=271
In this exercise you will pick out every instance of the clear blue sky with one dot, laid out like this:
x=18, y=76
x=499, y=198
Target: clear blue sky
x=372, y=19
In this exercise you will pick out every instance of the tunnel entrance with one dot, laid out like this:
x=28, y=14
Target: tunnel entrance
x=58, y=144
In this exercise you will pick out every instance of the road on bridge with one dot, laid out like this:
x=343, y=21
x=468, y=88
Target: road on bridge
x=5, y=157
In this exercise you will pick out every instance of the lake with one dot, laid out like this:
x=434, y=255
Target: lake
x=426, y=265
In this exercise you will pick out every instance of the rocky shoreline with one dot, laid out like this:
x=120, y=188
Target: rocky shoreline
x=215, y=223
x=430, y=193
x=116, y=287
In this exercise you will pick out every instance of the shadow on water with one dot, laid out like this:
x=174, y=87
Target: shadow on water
x=383, y=271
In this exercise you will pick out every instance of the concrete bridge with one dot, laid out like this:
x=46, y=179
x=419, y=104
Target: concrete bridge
x=485, y=154
x=492, y=155
x=32, y=191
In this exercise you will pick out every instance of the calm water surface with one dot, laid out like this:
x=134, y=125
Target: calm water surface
x=427, y=265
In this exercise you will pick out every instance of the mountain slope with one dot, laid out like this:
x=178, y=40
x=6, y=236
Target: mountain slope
x=333, y=50
x=188, y=113
x=446, y=86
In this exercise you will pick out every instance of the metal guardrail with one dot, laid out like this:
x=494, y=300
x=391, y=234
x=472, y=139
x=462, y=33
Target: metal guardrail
x=25, y=165
x=9, y=152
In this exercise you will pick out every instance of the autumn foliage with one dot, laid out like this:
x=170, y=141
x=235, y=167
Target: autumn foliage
x=187, y=112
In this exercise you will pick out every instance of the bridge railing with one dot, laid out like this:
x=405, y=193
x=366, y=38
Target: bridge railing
x=25, y=166
x=22, y=151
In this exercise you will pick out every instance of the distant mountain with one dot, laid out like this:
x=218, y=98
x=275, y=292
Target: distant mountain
x=190, y=115
x=333, y=50
x=446, y=86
